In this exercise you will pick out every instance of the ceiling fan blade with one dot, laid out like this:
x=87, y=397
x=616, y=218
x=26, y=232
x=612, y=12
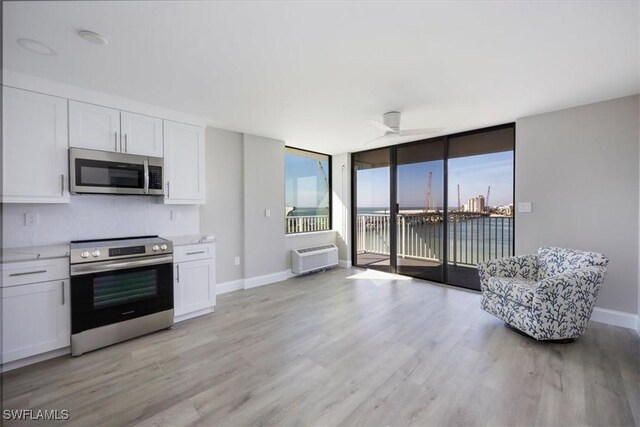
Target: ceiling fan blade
x=379, y=139
x=384, y=128
x=425, y=131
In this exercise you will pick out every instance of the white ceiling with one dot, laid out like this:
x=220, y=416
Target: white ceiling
x=312, y=73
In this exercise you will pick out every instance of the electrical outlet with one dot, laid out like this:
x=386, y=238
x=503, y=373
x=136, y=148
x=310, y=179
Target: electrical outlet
x=524, y=207
x=267, y=213
x=174, y=215
x=31, y=219
x=237, y=260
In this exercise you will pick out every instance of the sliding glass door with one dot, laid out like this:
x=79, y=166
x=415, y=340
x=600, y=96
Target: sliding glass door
x=480, y=202
x=420, y=215
x=372, y=220
x=433, y=209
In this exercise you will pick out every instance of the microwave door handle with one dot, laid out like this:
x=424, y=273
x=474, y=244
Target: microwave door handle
x=146, y=176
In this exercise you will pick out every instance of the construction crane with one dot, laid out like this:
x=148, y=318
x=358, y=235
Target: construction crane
x=428, y=206
x=486, y=201
x=323, y=174
x=325, y=179
x=458, y=197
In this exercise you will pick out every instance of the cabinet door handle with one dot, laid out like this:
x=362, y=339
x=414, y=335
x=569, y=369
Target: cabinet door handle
x=168, y=191
x=115, y=148
x=125, y=143
x=27, y=273
x=196, y=252
x=178, y=270
x=62, y=185
x=62, y=283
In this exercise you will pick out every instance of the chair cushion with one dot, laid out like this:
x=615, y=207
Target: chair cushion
x=554, y=261
x=514, y=289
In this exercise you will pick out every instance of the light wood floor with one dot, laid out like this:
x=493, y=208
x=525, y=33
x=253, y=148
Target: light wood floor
x=346, y=347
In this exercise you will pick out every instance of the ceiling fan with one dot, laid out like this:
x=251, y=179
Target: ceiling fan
x=390, y=125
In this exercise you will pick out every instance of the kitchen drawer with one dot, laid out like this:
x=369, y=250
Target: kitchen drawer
x=193, y=252
x=44, y=270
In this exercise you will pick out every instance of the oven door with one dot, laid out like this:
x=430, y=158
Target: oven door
x=103, y=293
x=102, y=172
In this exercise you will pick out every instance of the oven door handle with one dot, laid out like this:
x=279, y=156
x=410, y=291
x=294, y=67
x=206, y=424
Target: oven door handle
x=99, y=267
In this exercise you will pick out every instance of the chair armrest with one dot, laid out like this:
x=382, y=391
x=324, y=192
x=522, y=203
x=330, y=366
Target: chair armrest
x=564, y=303
x=524, y=267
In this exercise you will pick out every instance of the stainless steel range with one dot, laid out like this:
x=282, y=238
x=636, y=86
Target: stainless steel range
x=120, y=289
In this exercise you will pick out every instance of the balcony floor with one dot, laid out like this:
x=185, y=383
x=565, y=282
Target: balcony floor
x=377, y=260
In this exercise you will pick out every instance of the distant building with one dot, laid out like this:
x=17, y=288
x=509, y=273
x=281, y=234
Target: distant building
x=475, y=204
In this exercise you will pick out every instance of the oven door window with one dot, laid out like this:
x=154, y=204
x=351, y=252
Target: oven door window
x=99, y=299
x=98, y=173
x=123, y=288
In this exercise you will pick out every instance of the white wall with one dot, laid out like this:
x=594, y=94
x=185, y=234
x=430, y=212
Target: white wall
x=223, y=213
x=579, y=167
x=96, y=216
x=341, y=205
x=264, y=243
x=245, y=176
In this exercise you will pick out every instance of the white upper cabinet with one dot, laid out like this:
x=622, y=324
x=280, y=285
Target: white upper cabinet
x=35, y=165
x=38, y=130
x=107, y=129
x=94, y=127
x=184, y=163
x=141, y=134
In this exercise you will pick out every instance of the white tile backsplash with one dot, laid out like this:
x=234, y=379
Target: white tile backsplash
x=94, y=217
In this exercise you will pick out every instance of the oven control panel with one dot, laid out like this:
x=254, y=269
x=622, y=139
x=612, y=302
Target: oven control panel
x=130, y=250
x=83, y=251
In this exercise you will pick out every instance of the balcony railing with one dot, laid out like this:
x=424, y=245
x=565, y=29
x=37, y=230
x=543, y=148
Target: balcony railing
x=302, y=224
x=472, y=237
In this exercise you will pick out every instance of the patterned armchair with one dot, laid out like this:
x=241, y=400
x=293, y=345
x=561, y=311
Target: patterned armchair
x=549, y=296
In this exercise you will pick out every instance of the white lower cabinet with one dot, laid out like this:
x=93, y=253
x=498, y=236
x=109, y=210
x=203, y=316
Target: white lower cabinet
x=35, y=319
x=194, y=289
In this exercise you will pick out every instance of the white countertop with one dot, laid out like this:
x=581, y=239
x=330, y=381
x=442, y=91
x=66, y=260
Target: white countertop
x=190, y=239
x=32, y=253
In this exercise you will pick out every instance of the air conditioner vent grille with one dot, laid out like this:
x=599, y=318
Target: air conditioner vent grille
x=315, y=248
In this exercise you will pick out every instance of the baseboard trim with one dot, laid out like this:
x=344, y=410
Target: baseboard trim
x=344, y=264
x=9, y=366
x=615, y=318
x=267, y=279
x=196, y=313
x=233, y=285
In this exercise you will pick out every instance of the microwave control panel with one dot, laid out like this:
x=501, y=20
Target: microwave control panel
x=155, y=177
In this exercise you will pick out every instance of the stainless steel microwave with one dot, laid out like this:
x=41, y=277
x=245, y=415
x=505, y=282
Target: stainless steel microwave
x=102, y=172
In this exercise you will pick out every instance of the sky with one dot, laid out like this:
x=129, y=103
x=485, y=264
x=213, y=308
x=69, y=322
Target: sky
x=304, y=182
x=474, y=174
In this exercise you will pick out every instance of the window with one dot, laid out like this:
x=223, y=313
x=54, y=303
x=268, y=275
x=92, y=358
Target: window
x=307, y=178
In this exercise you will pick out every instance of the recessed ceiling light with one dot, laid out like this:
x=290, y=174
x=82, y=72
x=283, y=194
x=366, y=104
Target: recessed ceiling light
x=92, y=37
x=36, y=47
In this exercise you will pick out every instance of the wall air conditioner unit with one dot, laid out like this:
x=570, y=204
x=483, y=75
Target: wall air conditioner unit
x=306, y=260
